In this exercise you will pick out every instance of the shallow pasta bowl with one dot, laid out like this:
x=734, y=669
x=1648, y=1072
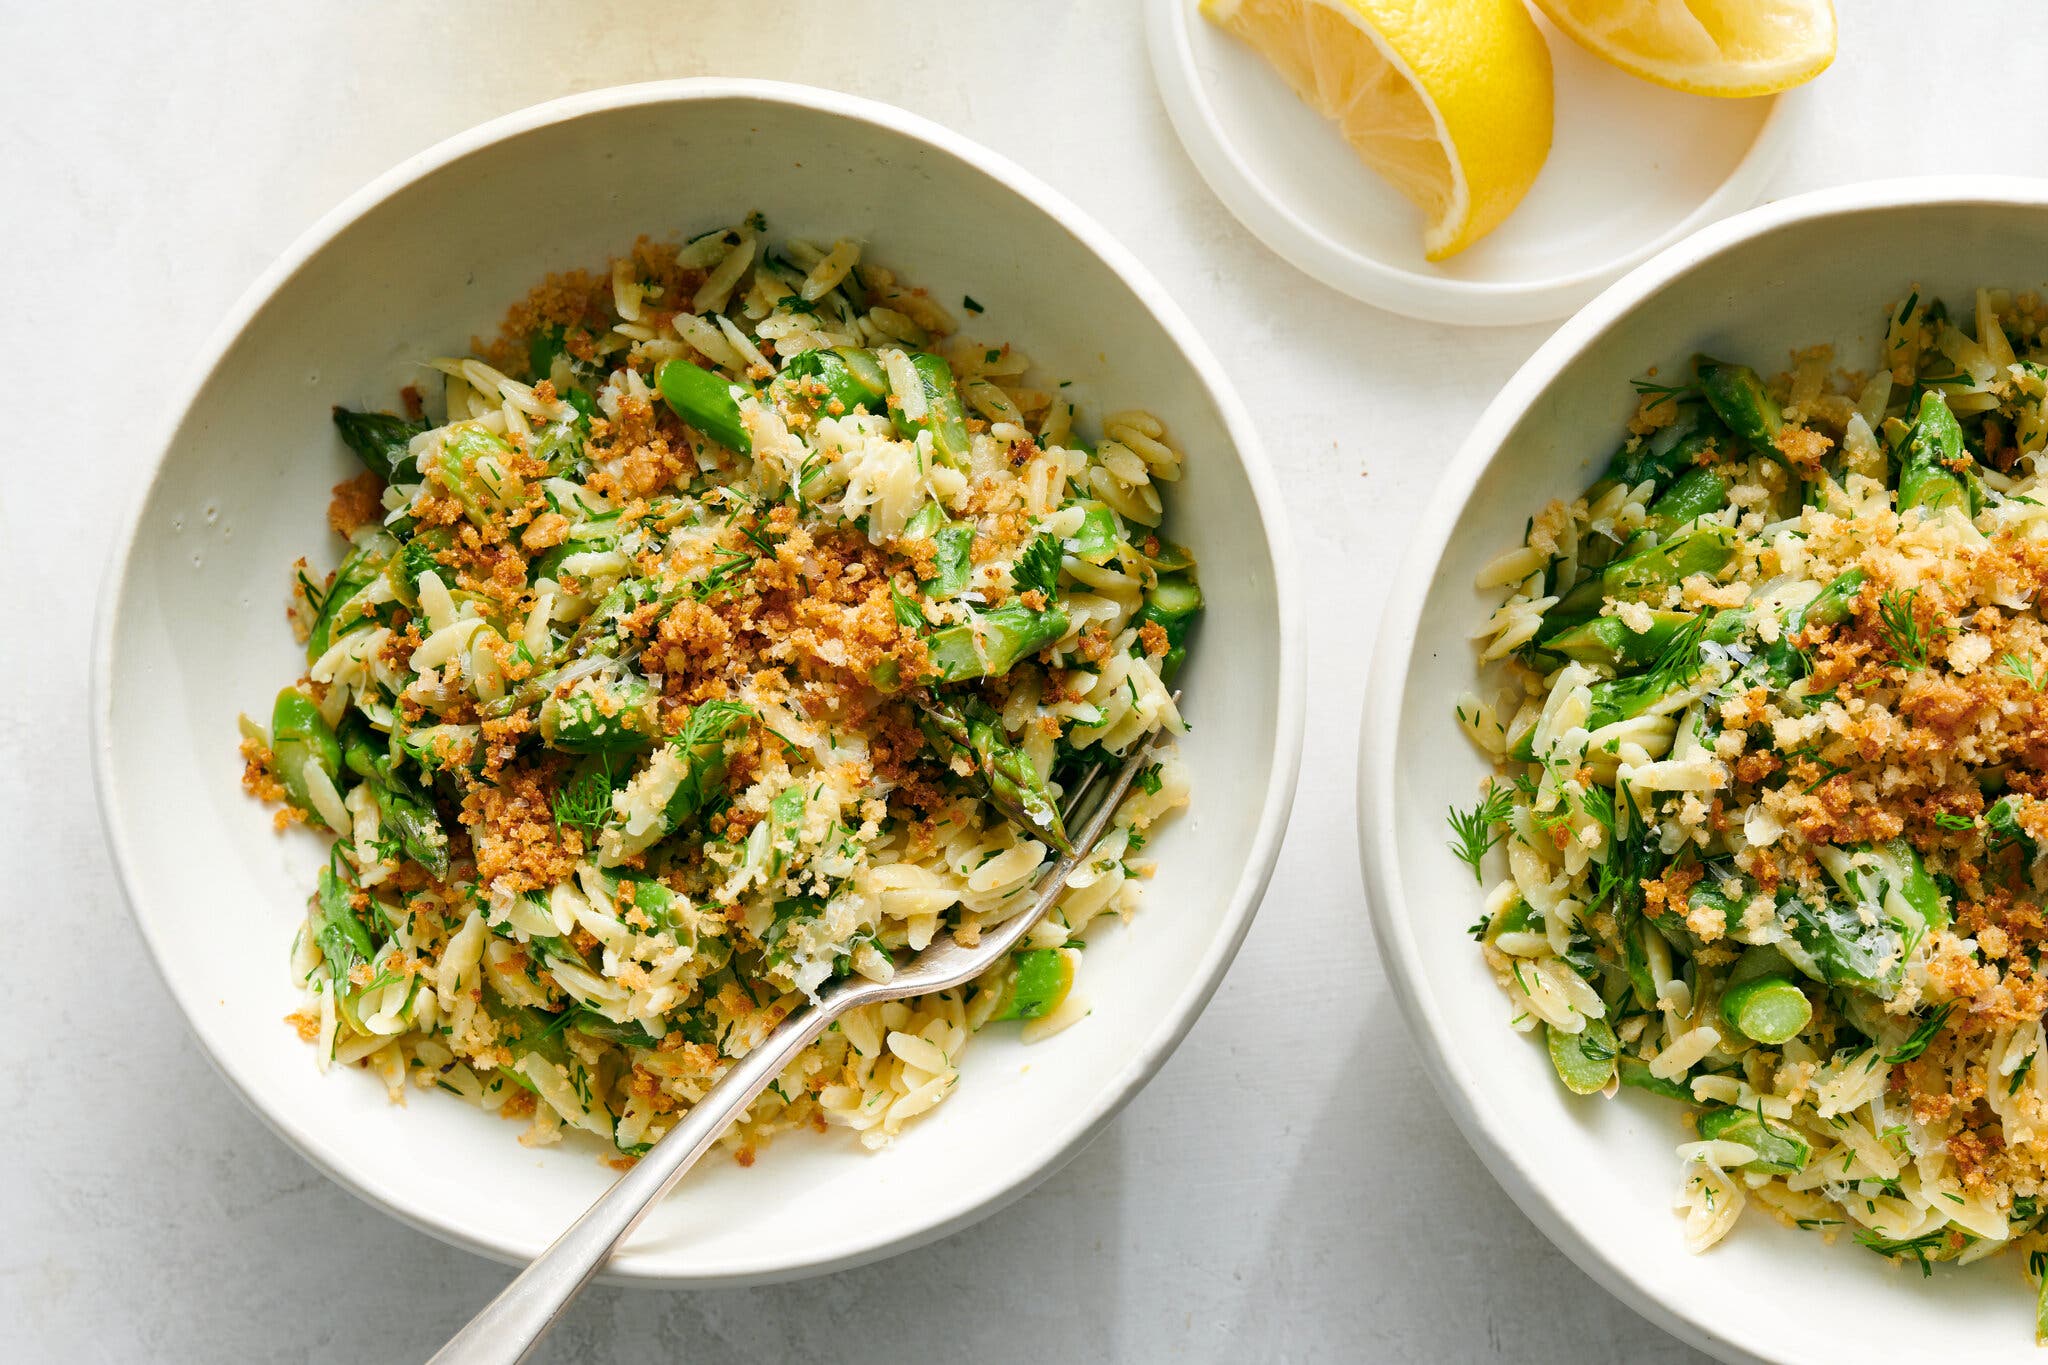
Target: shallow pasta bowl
x=1599, y=1176
x=191, y=631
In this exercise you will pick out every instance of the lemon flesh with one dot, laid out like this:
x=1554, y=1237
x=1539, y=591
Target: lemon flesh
x=1705, y=47
x=1450, y=101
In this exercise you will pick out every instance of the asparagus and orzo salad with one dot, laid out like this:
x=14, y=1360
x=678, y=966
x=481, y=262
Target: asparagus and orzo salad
x=1772, y=784
x=729, y=624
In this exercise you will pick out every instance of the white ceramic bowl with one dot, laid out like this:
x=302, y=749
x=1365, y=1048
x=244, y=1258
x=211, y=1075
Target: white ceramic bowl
x=1598, y=1177
x=192, y=630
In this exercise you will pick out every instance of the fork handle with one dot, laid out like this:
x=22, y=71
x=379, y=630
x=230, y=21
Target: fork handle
x=513, y=1324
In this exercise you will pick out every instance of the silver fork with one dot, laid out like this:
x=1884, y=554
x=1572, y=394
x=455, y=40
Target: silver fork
x=513, y=1324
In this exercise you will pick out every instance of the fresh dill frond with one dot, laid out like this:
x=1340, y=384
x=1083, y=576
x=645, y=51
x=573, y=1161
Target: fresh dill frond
x=585, y=800
x=2021, y=668
x=732, y=566
x=1598, y=804
x=1922, y=1036
x=1919, y=1248
x=1473, y=832
x=1677, y=665
x=1663, y=393
x=1909, y=640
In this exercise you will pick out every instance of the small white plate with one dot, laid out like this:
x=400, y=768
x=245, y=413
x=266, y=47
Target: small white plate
x=1633, y=167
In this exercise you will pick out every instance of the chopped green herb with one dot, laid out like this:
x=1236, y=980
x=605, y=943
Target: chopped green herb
x=1473, y=831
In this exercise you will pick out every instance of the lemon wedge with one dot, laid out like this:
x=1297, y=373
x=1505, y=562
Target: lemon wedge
x=1450, y=101
x=1722, y=47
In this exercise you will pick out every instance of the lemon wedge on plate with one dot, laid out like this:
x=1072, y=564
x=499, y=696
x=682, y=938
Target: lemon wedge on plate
x=1450, y=100
x=1725, y=47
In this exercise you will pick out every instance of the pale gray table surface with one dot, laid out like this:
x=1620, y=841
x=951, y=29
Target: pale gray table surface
x=1256, y=1202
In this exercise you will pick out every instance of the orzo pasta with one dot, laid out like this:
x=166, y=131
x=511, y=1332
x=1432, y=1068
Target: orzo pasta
x=729, y=624
x=1771, y=735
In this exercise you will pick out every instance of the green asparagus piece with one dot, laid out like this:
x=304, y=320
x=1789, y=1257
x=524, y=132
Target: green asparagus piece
x=361, y=567
x=1171, y=558
x=559, y=445
x=1668, y=451
x=1919, y=890
x=601, y=717
x=944, y=416
x=1643, y=573
x=954, y=542
x=1768, y=1007
x=597, y=1026
x=458, y=470
x=298, y=733
x=1608, y=640
x=524, y=1029
x=994, y=641
x=403, y=810
x=853, y=379
x=702, y=748
x=1585, y=1060
x=1832, y=604
x=2002, y=819
x=1702, y=550
x=1513, y=918
x=571, y=382
x=1676, y=665
x=657, y=902
x=1172, y=604
x=1635, y=958
x=955, y=562
x=1040, y=981
x=541, y=349
x=1636, y=1074
x=599, y=533
x=417, y=558
x=1730, y=900
x=1896, y=869
x=417, y=826
x=1778, y=1149
x=382, y=441
x=342, y=939
x=1831, y=943
x=1011, y=783
x=1697, y=492
x=1927, y=473
x=1738, y=399
x=1779, y=663
x=1097, y=539
x=705, y=401
x=358, y=754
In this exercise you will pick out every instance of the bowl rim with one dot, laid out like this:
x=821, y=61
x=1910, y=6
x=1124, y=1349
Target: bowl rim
x=1063, y=1139
x=1489, y=1130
